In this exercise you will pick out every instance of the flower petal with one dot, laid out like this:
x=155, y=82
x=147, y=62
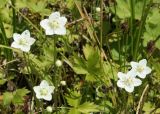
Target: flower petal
x=48, y=97
x=143, y=62
x=129, y=88
x=60, y=31
x=54, y=16
x=15, y=45
x=120, y=84
x=147, y=70
x=49, y=32
x=36, y=89
x=44, y=83
x=137, y=82
x=62, y=21
x=134, y=64
x=45, y=24
x=50, y=89
x=141, y=75
x=39, y=96
x=25, y=48
x=16, y=36
x=131, y=73
x=30, y=41
x=25, y=34
x=121, y=75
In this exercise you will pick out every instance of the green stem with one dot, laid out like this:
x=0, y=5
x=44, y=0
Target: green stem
x=54, y=78
x=7, y=47
x=132, y=3
x=101, y=28
x=145, y=12
x=28, y=66
x=125, y=53
x=33, y=25
x=7, y=53
x=14, y=16
x=118, y=35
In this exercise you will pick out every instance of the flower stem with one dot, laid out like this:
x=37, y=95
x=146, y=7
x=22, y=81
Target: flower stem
x=54, y=78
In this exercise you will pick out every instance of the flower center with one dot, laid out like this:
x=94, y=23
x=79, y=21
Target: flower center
x=140, y=69
x=128, y=81
x=22, y=41
x=54, y=24
x=43, y=92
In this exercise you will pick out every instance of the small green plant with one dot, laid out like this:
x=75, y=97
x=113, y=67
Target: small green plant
x=79, y=56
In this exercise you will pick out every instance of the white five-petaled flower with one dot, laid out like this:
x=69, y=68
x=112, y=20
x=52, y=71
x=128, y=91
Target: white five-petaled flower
x=140, y=68
x=128, y=81
x=55, y=24
x=44, y=91
x=23, y=41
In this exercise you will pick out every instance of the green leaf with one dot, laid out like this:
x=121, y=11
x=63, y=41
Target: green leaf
x=73, y=101
x=111, y=71
x=2, y=81
x=70, y=4
x=22, y=92
x=48, y=53
x=148, y=107
x=93, y=59
x=19, y=96
x=122, y=9
x=156, y=1
x=87, y=50
x=2, y=75
x=79, y=70
x=152, y=28
x=3, y=3
x=157, y=111
x=90, y=78
x=7, y=98
x=138, y=9
x=74, y=98
x=39, y=7
x=73, y=111
x=5, y=16
x=90, y=66
x=88, y=107
x=21, y=3
x=154, y=16
x=79, y=65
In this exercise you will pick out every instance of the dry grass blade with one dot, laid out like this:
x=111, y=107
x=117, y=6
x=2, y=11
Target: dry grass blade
x=142, y=99
x=86, y=22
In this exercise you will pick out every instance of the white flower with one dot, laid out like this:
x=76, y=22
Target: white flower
x=23, y=41
x=63, y=83
x=128, y=81
x=55, y=24
x=44, y=91
x=49, y=109
x=58, y=63
x=140, y=68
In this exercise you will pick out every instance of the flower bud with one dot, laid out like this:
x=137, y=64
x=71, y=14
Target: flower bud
x=63, y=83
x=98, y=9
x=49, y=109
x=58, y=63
